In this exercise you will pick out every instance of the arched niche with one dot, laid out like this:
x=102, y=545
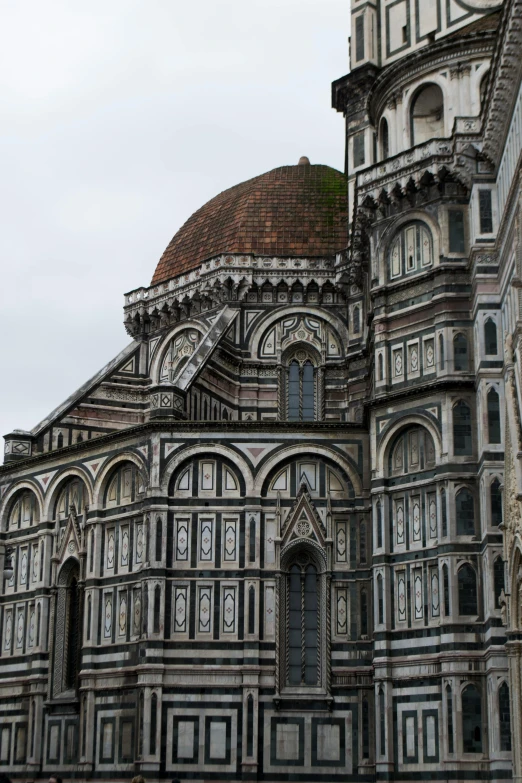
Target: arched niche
x=322, y=474
x=426, y=114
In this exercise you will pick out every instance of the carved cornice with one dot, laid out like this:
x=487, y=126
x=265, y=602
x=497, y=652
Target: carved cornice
x=504, y=80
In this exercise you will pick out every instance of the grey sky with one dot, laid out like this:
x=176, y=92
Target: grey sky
x=118, y=119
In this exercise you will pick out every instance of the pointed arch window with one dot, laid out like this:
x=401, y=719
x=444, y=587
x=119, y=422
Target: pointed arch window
x=504, y=717
x=467, y=582
x=300, y=388
x=490, y=337
x=303, y=629
x=411, y=251
x=462, y=444
x=471, y=720
x=460, y=353
x=24, y=510
x=413, y=451
x=465, y=513
x=495, y=496
x=498, y=580
x=384, y=139
x=493, y=416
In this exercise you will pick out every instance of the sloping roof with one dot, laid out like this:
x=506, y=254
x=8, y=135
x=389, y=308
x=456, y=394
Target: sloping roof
x=482, y=25
x=290, y=211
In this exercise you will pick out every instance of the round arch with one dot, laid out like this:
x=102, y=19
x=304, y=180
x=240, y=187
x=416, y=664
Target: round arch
x=5, y=505
x=434, y=80
x=305, y=450
x=384, y=242
x=160, y=348
x=272, y=318
x=56, y=485
x=383, y=448
x=303, y=545
x=103, y=477
x=205, y=449
x=66, y=569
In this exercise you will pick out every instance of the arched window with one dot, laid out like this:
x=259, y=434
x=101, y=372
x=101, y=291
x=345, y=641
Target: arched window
x=89, y=617
x=73, y=631
x=441, y=351
x=445, y=586
x=490, y=337
x=125, y=486
x=356, y=319
x=493, y=416
x=427, y=114
x=413, y=451
x=225, y=414
x=504, y=718
x=380, y=367
x=302, y=625
x=498, y=580
x=384, y=139
x=365, y=729
x=251, y=610
x=72, y=497
x=301, y=389
x=467, y=582
x=380, y=600
x=153, y=724
x=250, y=726
x=495, y=496
x=449, y=715
x=159, y=539
x=24, y=510
x=444, y=512
x=205, y=409
x=59, y=441
x=157, y=609
x=460, y=353
x=382, y=723
x=362, y=541
x=195, y=407
x=471, y=720
x=364, y=613
x=215, y=412
x=462, y=444
x=379, y=524
x=411, y=250
x=465, y=513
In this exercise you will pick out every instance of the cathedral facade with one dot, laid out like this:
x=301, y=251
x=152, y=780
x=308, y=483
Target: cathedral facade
x=280, y=535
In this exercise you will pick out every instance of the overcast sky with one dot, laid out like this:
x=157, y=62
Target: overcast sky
x=118, y=119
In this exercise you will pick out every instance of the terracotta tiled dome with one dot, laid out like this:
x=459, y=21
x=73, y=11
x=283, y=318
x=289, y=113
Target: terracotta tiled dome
x=290, y=211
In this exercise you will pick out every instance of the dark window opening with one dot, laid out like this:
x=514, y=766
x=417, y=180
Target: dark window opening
x=252, y=540
x=441, y=351
x=465, y=513
x=382, y=724
x=73, y=633
x=471, y=720
x=460, y=353
x=504, y=717
x=303, y=637
x=485, y=212
x=385, y=139
x=251, y=611
x=498, y=580
x=456, y=231
x=358, y=150
x=301, y=392
x=157, y=609
x=362, y=542
x=359, y=38
x=445, y=580
x=380, y=600
x=462, y=445
x=444, y=512
x=493, y=416
x=153, y=724
x=490, y=337
x=467, y=581
x=364, y=613
x=449, y=708
x=365, y=729
x=496, y=503
x=250, y=726
x=379, y=524
x=159, y=539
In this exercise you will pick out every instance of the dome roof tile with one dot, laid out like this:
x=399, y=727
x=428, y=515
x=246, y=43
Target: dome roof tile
x=290, y=211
